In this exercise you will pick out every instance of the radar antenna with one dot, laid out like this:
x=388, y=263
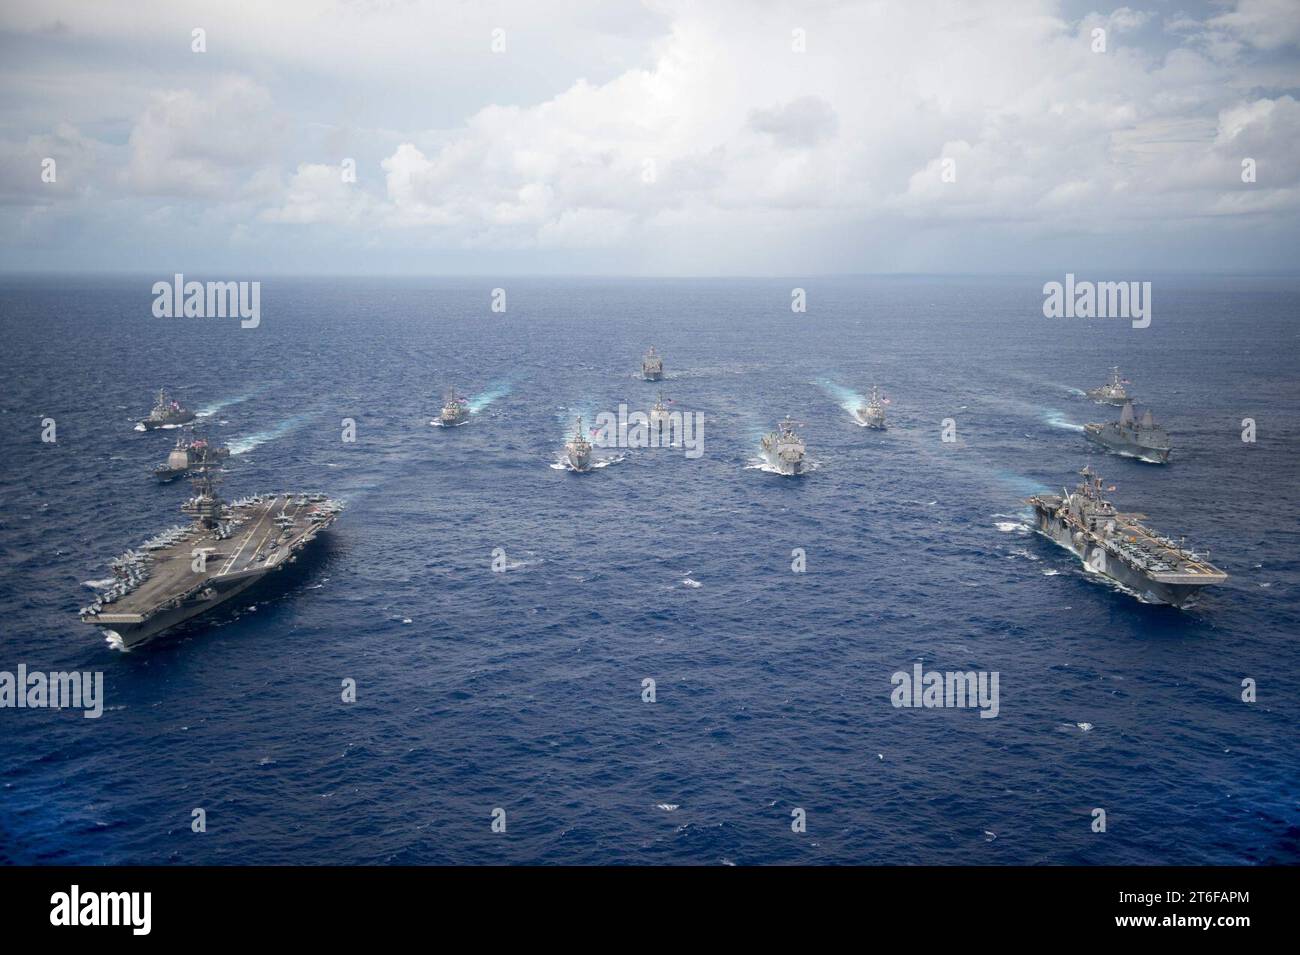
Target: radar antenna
x=206, y=506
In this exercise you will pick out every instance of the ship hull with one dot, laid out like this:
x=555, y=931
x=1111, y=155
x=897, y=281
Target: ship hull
x=1149, y=590
x=787, y=468
x=133, y=635
x=652, y=375
x=1150, y=455
x=579, y=462
x=151, y=425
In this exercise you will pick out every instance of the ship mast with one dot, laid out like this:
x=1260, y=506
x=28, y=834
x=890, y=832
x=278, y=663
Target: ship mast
x=206, y=506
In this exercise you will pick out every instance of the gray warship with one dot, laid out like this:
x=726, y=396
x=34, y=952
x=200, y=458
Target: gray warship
x=652, y=366
x=1121, y=547
x=659, y=413
x=166, y=413
x=873, y=415
x=783, y=449
x=578, y=450
x=1112, y=392
x=188, y=570
x=1128, y=436
x=188, y=455
x=455, y=410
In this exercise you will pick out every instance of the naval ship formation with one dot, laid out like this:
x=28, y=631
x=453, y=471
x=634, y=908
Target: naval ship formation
x=189, y=570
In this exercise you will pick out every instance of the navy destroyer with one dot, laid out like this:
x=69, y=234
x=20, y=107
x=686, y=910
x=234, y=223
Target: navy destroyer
x=188, y=455
x=166, y=413
x=1112, y=392
x=652, y=366
x=455, y=410
x=873, y=415
x=1128, y=436
x=578, y=450
x=188, y=570
x=1120, y=546
x=783, y=449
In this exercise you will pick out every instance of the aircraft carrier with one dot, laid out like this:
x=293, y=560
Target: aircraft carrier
x=1120, y=546
x=189, y=570
x=1129, y=436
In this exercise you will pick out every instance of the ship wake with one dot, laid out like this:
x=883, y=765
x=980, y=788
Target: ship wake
x=208, y=410
x=1057, y=419
x=846, y=398
x=258, y=438
x=481, y=401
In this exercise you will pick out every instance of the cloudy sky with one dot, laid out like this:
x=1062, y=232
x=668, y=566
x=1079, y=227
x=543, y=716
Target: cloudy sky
x=668, y=137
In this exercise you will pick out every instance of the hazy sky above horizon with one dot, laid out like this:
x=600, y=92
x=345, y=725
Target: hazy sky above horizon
x=662, y=137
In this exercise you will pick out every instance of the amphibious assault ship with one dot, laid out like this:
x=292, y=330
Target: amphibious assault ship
x=873, y=415
x=188, y=570
x=188, y=455
x=1120, y=546
x=166, y=413
x=1136, y=439
x=455, y=410
x=652, y=366
x=1112, y=392
x=783, y=449
x=578, y=451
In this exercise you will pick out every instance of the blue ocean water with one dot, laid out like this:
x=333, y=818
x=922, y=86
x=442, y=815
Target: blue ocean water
x=522, y=690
